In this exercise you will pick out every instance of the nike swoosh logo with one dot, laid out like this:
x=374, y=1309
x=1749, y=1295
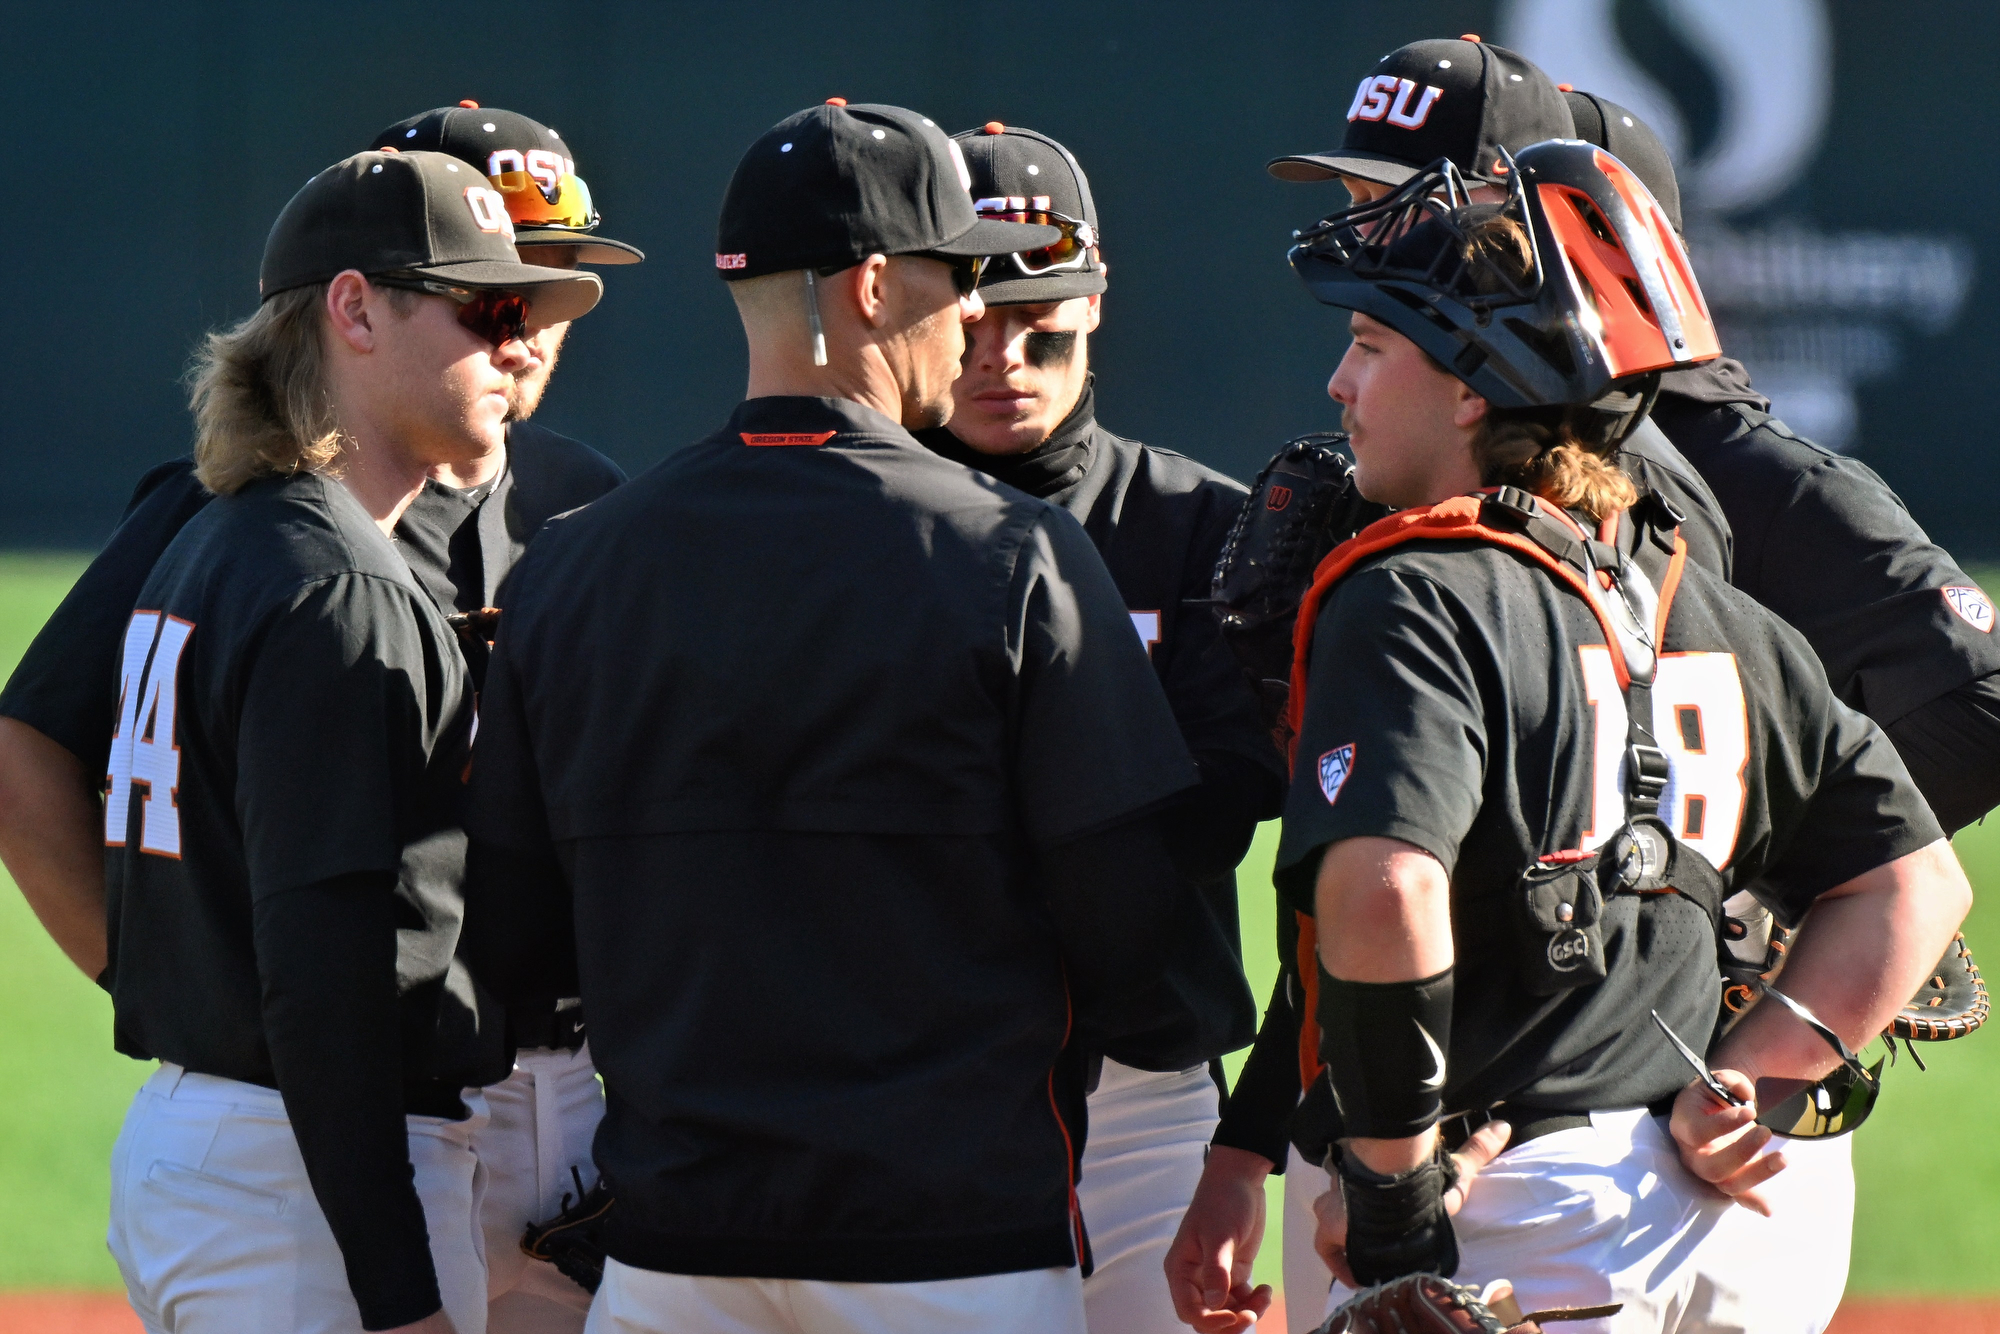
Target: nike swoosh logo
x=1437, y=1060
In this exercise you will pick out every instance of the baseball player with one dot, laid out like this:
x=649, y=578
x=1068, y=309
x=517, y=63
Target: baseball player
x=856, y=814
x=284, y=863
x=1546, y=749
x=1024, y=413
x=461, y=537
x=1905, y=637
x=1473, y=102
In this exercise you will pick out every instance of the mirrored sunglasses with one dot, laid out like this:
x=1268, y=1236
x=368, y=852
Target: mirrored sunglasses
x=1071, y=251
x=530, y=204
x=494, y=314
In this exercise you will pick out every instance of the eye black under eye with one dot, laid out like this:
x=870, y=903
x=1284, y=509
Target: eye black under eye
x=1045, y=348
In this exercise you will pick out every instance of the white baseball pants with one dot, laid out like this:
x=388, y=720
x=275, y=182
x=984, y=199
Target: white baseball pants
x=644, y=1301
x=540, y=1123
x=1599, y=1214
x=216, y=1230
x=1142, y=1159
x=1788, y=1271
x=1307, y=1278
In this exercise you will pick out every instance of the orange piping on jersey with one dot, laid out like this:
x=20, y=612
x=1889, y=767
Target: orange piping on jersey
x=1308, y=961
x=1069, y=1145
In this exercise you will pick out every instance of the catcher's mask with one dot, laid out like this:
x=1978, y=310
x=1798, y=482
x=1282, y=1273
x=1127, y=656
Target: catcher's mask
x=1604, y=299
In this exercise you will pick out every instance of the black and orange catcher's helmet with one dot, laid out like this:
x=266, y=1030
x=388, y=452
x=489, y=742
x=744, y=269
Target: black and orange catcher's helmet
x=1604, y=299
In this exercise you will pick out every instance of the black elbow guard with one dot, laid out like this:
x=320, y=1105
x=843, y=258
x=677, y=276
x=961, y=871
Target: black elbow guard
x=1384, y=1046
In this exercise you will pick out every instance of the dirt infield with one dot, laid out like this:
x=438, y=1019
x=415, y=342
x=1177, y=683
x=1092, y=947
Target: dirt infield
x=107, y=1313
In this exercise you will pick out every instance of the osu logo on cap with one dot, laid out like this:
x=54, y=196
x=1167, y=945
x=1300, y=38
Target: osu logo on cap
x=1386, y=97
x=489, y=210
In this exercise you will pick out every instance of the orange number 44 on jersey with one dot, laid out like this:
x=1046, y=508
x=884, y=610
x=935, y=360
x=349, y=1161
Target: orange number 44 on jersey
x=1701, y=722
x=144, y=753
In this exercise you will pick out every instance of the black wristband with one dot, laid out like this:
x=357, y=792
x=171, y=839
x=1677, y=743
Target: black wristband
x=1397, y=1225
x=1384, y=1046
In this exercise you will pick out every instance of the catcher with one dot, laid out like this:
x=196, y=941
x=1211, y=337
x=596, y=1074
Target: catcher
x=1547, y=748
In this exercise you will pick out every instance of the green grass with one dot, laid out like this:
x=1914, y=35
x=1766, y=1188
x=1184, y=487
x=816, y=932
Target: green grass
x=1927, y=1164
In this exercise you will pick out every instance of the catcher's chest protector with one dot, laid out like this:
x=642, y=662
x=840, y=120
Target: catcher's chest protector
x=1556, y=914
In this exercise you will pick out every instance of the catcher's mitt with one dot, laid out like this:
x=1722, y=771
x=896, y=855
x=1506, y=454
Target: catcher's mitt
x=1427, y=1304
x=1950, y=1004
x=572, y=1241
x=1302, y=506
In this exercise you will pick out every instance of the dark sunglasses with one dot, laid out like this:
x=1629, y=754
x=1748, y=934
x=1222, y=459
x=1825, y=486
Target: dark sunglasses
x=1071, y=250
x=965, y=269
x=1801, y=1108
x=496, y=315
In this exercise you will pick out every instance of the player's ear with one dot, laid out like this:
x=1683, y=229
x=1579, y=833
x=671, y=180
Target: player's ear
x=1096, y=312
x=346, y=310
x=1469, y=410
x=866, y=285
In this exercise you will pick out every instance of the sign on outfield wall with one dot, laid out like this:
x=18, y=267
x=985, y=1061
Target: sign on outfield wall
x=1743, y=93
x=1838, y=158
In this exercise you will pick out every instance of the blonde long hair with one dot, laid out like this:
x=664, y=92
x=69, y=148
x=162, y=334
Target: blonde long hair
x=1566, y=453
x=259, y=396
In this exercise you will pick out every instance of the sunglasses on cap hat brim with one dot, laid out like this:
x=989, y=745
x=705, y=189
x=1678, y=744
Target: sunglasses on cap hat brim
x=1070, y=253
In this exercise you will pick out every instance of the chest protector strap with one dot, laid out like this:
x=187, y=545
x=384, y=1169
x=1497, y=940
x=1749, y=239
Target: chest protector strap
x=1563, y=892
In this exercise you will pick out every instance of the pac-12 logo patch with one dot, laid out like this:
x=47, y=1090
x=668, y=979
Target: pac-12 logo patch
x=1334, y=767
x=1971, y=605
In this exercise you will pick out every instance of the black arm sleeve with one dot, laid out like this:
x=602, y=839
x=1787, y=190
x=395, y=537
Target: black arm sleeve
x=520, y=925
x=1952, y=748
x=1259, y=1110
x=326, y=953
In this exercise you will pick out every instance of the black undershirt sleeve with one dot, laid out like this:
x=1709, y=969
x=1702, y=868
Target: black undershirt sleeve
x=1952, y=748
x=1214, y=825
x=326, y=954
x=1110, y=892
x=1259, y=1110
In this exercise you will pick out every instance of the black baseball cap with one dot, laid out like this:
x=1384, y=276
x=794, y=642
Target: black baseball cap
x=834, y=184
x=1463, y=99
x=1020, y=172
x=528, y=163
x=426, y=213
x=1601, y=121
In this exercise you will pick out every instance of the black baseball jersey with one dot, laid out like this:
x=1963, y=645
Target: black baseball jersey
x=1463, y=701
x=63, y=687
x=284, y=790
x=1823, y=542
x=808, y=706
x=1653, y=463
x=1159, y=520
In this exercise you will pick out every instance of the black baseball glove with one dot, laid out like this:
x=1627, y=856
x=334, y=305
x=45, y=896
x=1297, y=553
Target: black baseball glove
x=573, y=1241
x=1427, y=1304
x=1950, y=1004
x=1301, y=507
